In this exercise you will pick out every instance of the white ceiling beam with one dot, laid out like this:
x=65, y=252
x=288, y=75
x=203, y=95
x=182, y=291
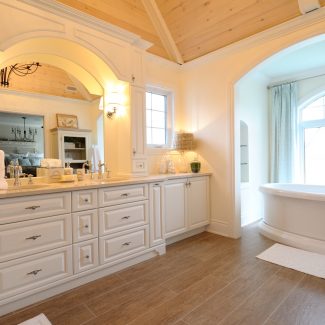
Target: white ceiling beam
x=162, y=30
x=306, y=6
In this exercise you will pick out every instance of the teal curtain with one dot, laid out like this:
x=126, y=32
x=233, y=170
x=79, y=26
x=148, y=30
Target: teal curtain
x=283, y=132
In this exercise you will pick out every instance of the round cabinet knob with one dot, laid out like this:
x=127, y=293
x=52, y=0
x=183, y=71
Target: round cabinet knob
x=86, y=226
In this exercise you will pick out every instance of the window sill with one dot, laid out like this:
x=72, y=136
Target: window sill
x=152, y=151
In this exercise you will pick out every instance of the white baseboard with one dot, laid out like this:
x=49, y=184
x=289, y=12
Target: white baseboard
x=219, y=228
x=185, y=235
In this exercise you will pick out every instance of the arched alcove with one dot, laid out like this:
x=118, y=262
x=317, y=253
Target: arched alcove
x=275, y=52
x=80, y=62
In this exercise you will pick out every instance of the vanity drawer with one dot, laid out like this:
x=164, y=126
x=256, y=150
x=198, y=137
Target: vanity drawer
x=24, y=274
x=85, y=255
x=28, y=237
x=35, y=206
x=122, y=217
x=84, y=225
x=119, y=246
x=122, y=194
x=84, y=200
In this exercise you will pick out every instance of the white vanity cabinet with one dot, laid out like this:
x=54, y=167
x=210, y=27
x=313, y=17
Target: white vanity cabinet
x=50, y=243
x=186, y=203
x=123, y=221
x=157, y=224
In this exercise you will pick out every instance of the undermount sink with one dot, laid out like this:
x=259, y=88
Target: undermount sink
x=27, y=187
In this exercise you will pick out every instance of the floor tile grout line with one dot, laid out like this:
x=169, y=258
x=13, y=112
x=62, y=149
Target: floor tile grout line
x=90, y=310
x=201, y=303
x=244, y=300
x=284, y=299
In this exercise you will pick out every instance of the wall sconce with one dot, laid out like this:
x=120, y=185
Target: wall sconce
x=112, y=105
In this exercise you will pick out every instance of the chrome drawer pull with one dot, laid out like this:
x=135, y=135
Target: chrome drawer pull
x=33, y=207
x=33, y=237
x=126, y=244
x=125, y=194
x=126, y=217
x=34, y=272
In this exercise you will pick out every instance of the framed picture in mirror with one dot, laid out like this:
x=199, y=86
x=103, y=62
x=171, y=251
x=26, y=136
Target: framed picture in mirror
x=67, y=121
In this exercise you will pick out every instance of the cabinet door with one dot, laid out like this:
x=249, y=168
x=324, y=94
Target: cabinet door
x=85, y=255
x=84, y=225
x=198, y=201
x=156, y=214
x=175, y=207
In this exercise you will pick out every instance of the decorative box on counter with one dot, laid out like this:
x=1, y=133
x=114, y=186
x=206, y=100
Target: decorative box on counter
x=53, y=174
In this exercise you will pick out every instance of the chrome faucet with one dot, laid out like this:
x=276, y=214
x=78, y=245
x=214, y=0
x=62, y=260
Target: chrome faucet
x=89, y=169
x=17, y=173
x=100, y=172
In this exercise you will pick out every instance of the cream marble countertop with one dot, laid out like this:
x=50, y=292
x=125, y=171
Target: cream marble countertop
x=40, y=187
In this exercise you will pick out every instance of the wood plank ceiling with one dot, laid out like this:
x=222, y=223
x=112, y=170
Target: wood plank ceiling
x=197, y=27
x=50, y=80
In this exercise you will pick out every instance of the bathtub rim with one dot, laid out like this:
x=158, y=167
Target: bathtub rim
x=291, y=239
x=270, y=188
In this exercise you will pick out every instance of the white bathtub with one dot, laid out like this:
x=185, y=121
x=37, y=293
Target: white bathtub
x=294, y=214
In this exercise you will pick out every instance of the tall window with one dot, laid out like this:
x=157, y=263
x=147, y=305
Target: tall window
x=158, y=120
x=312, y=141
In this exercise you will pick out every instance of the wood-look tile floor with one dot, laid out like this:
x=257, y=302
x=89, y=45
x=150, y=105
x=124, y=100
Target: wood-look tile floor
x=205, y=279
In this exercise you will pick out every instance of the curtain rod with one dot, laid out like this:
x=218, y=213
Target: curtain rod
x=288, y=82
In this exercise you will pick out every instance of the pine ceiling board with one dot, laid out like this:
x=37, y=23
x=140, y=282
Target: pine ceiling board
x=249, y=21
x=48, y=80
x=127, y=14
x=186, y=18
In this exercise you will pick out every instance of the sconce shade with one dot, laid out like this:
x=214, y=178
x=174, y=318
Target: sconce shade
x=101, y=104
x=184, y=141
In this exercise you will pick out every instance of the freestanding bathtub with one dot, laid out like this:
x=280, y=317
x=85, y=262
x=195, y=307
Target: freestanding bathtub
x=294, y=214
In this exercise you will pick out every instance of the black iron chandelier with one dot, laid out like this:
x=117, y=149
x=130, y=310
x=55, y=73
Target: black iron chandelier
x=20, y=70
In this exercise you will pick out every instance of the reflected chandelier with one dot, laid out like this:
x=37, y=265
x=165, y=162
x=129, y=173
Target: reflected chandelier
x=20, y=70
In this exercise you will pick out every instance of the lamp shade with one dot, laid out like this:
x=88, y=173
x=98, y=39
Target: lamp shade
x=184, y=141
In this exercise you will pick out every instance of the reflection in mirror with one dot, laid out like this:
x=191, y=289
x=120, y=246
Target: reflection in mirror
x=22, y=140
x=50, y=91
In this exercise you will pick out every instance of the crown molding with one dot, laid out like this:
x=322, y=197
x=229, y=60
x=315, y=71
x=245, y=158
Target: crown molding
x=291, y=26
x=82, y=18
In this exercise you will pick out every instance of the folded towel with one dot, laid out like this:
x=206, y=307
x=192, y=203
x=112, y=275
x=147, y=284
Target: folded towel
x=51, y=163
x=40, y=319
x=2, y=164
x=95, y=156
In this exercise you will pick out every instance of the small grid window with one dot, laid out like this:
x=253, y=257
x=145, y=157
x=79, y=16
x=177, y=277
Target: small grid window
x=156, y=116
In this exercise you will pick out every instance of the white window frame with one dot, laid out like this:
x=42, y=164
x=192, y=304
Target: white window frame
x=302, y=125
x=169, y=118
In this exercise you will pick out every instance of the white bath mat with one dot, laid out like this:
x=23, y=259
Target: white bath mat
x=40, y=319
x=294, y=258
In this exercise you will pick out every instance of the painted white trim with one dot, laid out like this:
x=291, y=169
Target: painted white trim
x=82, y=18
x=219, y=227
x=162, y=29
x=44, y=96
x=185, y=235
